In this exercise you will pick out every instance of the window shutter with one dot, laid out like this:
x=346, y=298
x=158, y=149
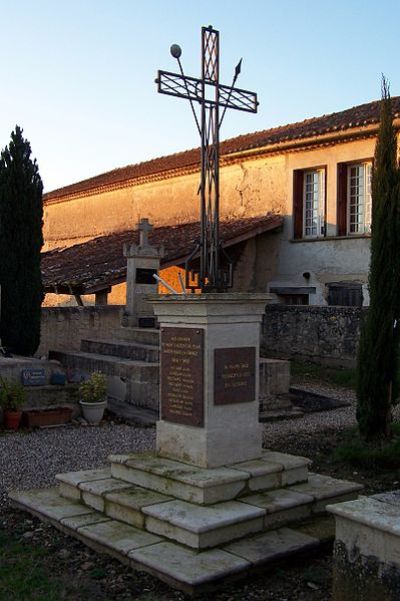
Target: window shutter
x=298, y=178
x=342, y=200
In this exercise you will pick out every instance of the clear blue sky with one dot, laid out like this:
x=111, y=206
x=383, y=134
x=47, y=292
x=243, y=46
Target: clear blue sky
x=78, y=76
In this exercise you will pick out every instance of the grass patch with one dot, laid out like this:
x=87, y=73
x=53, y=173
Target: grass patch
x=22, y=575
x=345, y=378
x=383, y=455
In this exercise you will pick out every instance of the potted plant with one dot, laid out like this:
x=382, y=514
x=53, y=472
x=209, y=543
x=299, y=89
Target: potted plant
x=93, y=399
x=12, y=397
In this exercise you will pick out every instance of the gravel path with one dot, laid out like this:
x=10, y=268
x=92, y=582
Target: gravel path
x=31, y=460
x=311, y=423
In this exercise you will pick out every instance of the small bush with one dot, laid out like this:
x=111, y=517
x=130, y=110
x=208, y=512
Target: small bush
x=12, y=394
x=371, y=455
x=94, y=389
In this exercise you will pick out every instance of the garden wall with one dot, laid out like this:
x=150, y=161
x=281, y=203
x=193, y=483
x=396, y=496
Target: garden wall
x=326, y=335
x=62, y=328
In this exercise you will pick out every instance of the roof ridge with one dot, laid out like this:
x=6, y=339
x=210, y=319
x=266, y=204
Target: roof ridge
x=355, y=116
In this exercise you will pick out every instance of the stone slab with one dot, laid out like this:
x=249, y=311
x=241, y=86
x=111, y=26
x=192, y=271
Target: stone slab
x=126, y=506
x=76, y=478
x=201, y=527
x=392, y=497
x=117, y=536
x=76, y=522
x=180, y=480
x=274, y=469
x=93, y=492
x=282, y=506
x=370, y=512
x=325, y=489
x=175, y=564
x=47, y=502
x=272, y=546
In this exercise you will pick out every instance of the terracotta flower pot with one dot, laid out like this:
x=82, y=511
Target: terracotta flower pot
x=12, y=419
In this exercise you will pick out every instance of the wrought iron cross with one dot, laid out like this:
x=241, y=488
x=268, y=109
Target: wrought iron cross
x=215, y=268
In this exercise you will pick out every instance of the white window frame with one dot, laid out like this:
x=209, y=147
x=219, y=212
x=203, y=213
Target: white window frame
x=314, y=203
x=359, y=200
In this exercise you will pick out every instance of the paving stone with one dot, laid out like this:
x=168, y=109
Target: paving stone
x=202, y=527
x=117, y=536
x=48, y=502
x=178, y=564
x=126, y=506
x=93, y=492
x=271, y=546
x=325, y=489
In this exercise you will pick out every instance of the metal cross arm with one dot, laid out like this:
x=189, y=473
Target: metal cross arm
x=191, y=88
x=213, y=270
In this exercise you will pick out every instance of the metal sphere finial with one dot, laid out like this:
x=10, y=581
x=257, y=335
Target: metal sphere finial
x=175, y=50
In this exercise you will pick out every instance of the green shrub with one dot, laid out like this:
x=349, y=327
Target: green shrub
x=12, y=394
x=384, y=454
x=94, y=389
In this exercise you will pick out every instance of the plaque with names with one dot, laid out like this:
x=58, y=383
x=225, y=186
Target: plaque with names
x=182, y=370
x=234, y=375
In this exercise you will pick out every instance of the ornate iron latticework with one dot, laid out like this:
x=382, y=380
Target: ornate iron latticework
x=215, y=269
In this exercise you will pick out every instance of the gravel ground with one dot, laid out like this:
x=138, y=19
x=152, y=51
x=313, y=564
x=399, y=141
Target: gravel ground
x=29, y=460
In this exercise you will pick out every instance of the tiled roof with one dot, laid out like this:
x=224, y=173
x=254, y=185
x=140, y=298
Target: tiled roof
x=99, y=263
x=362, y=115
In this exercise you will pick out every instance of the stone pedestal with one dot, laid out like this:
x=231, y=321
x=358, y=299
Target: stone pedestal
x=366, y=559
x=209, y=377
x=143, y=261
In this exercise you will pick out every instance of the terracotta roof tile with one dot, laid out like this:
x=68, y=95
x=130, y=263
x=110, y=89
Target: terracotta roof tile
x=364, y=114
x=100, y=263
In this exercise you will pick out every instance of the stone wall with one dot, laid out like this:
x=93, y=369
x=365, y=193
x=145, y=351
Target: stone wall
x=62, y=328
x=327, y=335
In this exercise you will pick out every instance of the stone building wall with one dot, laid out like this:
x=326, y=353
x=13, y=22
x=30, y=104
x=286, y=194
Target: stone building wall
x=327, y=335
x=62, y=328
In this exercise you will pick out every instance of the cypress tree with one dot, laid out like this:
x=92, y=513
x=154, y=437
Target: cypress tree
x=21, y=213
x=378, y=365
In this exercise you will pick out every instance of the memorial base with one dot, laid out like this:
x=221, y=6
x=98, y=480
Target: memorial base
x=209, y=377
x=232, y=443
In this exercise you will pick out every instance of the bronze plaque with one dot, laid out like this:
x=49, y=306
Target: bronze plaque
x=182, y=351
x=234, y=375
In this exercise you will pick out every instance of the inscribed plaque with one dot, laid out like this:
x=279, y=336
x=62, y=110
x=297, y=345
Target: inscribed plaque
x=234, y=375
x=33, y=376
x=182, y=372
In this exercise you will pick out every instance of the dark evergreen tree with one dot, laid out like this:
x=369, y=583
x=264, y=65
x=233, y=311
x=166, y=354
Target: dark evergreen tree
x=378, y=365
x=21, y=213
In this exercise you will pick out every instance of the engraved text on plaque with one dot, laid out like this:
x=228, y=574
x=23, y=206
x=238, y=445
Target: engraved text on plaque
x=234, y=375
x=182, y=352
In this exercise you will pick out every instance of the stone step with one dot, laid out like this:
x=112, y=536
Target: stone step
x=179, y=566
x=139, y=335
x=128, y=350
x=199, y=526
x=140, y=371
x=207, y=486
